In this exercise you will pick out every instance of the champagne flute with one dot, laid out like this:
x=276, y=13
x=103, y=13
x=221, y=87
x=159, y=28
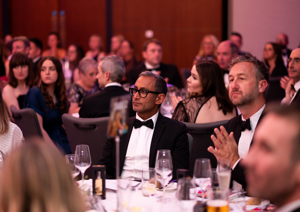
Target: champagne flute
x=202, y=174
x=163, y=168
x=82, y=158
x=70, y=158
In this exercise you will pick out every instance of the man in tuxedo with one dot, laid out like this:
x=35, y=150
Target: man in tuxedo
x=273, y=163
x=291, y=84
x=237, y=39
x=111, y=70
x=148, y=132
x=283, y=40
x=152, y=53
x=225, y=52
x=35, y=52
x=248, y=80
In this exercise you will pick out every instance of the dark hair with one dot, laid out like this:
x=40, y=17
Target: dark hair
x=79, y=52
x=237, y=34
x=20, y=59
x=147, y=42
x=261, y=71
x=212, y=81
x=291, y=112
x=4, y=123
x=37, y=42
x=160, y=83
x=57, y=36
x=278, y=52
x=60, y=88
x=234, y=48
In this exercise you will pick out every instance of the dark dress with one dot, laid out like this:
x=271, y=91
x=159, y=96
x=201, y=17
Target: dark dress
x=52, y=122
x=76, y=93
x=21, y=99
x=187, y=110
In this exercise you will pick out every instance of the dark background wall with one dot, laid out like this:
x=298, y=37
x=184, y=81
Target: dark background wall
x=179, y=25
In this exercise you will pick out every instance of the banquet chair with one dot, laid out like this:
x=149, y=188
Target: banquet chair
x=201, y=141
x=27, y=121
x=90, y=131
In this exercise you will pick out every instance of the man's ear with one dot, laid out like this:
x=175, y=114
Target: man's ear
x=144, y=55
x=107, y=76
x=262, y=86
x=160, y=98
x=27, y=49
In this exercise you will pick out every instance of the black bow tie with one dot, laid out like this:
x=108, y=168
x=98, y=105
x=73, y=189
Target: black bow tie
x=153, y=69
x=245, y=125
x=138, y=123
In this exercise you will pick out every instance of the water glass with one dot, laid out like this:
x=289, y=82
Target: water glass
x=70, y=159
x=217, y=200
x=148, y=182
x=224, y=175
x=186, y=194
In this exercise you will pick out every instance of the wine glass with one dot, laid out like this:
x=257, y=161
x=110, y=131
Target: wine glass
x=82, y=158
x=202, y=174
x=70, y=158
x=163, y=167
x=186, y=194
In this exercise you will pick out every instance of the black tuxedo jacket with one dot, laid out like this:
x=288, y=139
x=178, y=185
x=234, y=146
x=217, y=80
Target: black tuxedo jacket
x=167, y=70
x=98, y=104
x=238, y=173
x=296, y=210
x=296, y=100
x=168, y=134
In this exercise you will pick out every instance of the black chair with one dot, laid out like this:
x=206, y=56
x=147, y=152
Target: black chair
x=90, y=131
x=201, y=141
x=27, y=121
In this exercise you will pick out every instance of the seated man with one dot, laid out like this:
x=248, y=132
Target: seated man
x=152, y=53
x=139, y=146
x=111, y=70
x=248, y=80
x=273, y=163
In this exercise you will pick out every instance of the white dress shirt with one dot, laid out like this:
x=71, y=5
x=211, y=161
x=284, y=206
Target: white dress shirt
x=247, y=135
x=297, y=88
x=289, y=207
x=138, y=150
x=148, y=66
x=113, y=84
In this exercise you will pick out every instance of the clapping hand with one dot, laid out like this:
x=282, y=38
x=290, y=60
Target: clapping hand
x=175, y=100
x=226, y=148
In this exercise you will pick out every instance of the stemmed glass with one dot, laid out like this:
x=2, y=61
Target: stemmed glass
x=202, y=174
x=163, y=168
x=82, y=158
x=70, y=159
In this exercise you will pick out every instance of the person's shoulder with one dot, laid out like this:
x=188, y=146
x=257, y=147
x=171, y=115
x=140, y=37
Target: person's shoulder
x=34, y=89
x=8, y=90
x=234, y=121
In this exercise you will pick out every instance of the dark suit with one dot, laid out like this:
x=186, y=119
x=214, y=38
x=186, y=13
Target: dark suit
x=98, y=104
x=296, y=210
x=168, y=134
x=167, y=70
x=35, y=67
x=234, y=126
x=296, y=100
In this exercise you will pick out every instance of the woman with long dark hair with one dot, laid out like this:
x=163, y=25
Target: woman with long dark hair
x=208, y=101
x=54, y=47
x=49, y=101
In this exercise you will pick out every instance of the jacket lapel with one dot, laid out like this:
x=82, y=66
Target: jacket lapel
x=158, y=130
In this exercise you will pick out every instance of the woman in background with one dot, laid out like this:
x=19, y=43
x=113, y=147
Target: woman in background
x=20, y=80
x=273, y=59
x=49, y=101
x=128, y=56
x=10, y=134
x=36, y=178
x=115, y=45
x=85, y=86
x=208, y=101
x=95, y=45
x=54, y=48
x=208, y=49
x=70, y=64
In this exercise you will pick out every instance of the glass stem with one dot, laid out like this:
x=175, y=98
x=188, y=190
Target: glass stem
x=164, y=190
x=202, y=191
x=82, y=177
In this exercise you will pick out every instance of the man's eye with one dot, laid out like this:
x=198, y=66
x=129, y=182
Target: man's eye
x=143, y=91
x=297, y=60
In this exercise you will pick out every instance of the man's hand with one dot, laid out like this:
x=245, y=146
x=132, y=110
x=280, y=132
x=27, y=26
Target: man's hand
x=284, y=81
x=226, y=148
x=289, y=91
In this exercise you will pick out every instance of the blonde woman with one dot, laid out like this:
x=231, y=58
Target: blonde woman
x=35, y=177
x=208, y=49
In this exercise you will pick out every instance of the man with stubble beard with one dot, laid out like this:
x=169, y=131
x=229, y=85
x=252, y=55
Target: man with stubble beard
x=248, y=80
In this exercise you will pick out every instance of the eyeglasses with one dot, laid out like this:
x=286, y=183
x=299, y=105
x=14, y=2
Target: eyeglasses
x=296, y=60
x=142, y=92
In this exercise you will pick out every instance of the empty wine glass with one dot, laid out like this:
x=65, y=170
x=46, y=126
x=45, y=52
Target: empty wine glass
x=202, y=174
x=70, y=158
x=82, y=159
x=163, y=168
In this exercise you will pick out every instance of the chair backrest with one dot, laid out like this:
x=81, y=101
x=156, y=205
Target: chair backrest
x=27, y=121
x=201, y=141
x=90, y=131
